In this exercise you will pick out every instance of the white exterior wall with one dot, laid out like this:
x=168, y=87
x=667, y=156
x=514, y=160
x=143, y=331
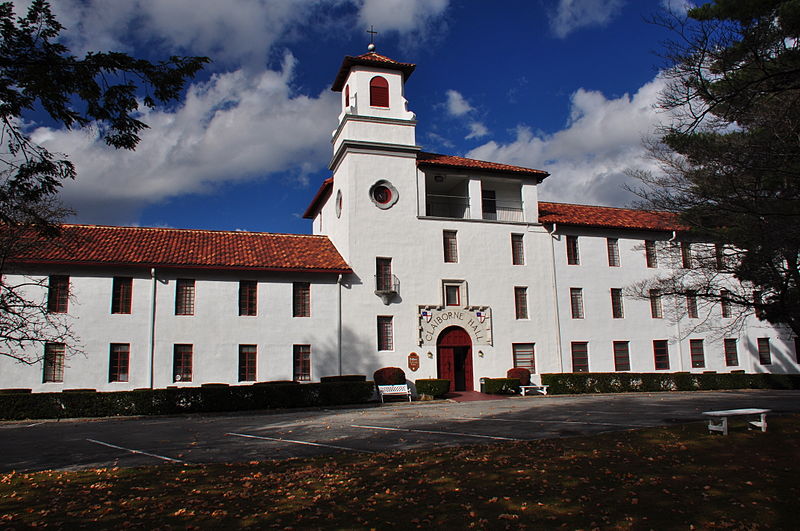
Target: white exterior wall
x=215, y=330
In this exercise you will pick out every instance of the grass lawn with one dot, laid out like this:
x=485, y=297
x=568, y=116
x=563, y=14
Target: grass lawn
x=662, y=478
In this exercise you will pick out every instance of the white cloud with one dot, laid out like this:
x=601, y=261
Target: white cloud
x=456, y=104
x=400, y=15
x=476, y=130
x=236, y=126
x=587, y=159
x=678, y=7
x=570, y=15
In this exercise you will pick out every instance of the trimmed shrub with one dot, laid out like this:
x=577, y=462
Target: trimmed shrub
x=345, y=378
x=14, y=391
x=521, y=374
x=433, y=387
x=500, y=386
x=183, y=400
x=625, y=382
x=389, y=376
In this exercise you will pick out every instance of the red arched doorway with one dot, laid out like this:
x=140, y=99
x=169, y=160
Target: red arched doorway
x=454, y=358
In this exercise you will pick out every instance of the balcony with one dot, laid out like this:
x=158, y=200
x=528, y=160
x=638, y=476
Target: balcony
x=502, y=210
x=447, y=206
x=386, y=287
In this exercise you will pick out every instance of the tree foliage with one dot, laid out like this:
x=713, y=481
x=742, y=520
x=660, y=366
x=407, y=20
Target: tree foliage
x=104, y=91
x=731, y=156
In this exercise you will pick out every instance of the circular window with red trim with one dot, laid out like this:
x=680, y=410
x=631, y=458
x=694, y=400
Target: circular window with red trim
x=383, y=194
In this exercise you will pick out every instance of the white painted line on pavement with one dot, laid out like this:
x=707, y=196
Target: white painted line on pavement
x=558, y=422
x=438, y=432
x=136, y=451
x=280, y=439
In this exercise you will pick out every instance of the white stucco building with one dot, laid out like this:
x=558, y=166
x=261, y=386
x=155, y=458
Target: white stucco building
x=445, y=266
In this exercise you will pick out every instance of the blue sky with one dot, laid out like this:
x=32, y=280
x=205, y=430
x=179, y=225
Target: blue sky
x=567, y=86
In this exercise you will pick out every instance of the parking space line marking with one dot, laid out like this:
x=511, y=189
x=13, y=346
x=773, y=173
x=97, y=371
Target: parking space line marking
x=279, y=439
x=438, y=432
x=559, y=422
x=136, y=451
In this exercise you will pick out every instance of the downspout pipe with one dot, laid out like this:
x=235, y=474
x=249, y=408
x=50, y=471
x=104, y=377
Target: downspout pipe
x=154, y=282
x=555, y=298
x=339, y=331
x=678, y=320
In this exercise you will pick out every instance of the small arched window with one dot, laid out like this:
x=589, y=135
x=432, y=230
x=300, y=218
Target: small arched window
x=347, y=96
x=378, y=92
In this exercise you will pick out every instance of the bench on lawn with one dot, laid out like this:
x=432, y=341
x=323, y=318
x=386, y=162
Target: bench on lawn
x=525, y=389
x=719, y=419
x=394, y=390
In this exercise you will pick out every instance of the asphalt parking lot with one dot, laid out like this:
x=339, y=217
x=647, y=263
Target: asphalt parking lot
x=128, y=442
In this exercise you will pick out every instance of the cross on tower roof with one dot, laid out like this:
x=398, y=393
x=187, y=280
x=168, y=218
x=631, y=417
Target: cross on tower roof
x=372, y=34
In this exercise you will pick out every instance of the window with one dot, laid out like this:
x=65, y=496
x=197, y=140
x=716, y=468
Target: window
x=182, y=363
x=521, y=302
x=764, y=354
x=121, y=295
x=650, y=254
x=248, y=297
x=58, y=294
x=719, y=256
x=378, y=92
x=797, y=349
x=517, y=250
x=580, y=356
x=452, y=294
x=758, y=308
x=119, y=358
x=247, y=363
x=725, y=303
x=612, y=245
x=576, y=302
x=302, y=363
x=450, y=246
x=697, y=353
x=489, y=204
x=691, y=305
x=385, y=333
x=347, y=96
x=617, y=311
x=686, y=255
x=622, y=356
x=656, y=312
x=184, y=297
x=731, y=354
x=383, y=274
x=573, y=256
x=301, y=299
x=53, y=362
x=524, y=356
x=661, y=354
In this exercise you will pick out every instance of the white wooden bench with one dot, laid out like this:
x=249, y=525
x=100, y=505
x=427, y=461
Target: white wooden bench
x=525, y=389
x=719, y=419
x=394, y=390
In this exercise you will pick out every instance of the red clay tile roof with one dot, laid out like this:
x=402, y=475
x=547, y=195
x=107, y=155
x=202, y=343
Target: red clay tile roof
x=181, y=248
x=599, y=216
x=449, y=161
x=322, y=195
x=369, y=59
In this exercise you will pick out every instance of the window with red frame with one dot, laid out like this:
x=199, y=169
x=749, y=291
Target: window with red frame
x=119, y=358
x=58, y=294
x=764, y=353
x=248, y=297
x=121, y=295
x=725, y=303
x=301, y=299
x=622, y=356
x=691, y=305
x=385, y=333
x=182, y=363
x=517, y=250
x=617, y=309
x=580, y=356
x=612, y=248
x=184, y=296
x=650, y=254
x=247, y=363
x=54, y=354
x=450, y=243
x=524, y=356
x=661, y=354
x=576, y=302
x=521, y=302
x=731, y=353
x=697, y=353
x=378, y=92
x=302, y=363
x=573, y=253
x=383, y=274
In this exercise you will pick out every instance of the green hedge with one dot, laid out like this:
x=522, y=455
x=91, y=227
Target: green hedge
x=344, y=378
x=500, y=386
x=625, y=382
x=433, y=387
x=182, y=400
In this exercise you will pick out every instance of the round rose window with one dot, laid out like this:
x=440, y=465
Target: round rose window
x=383, y=194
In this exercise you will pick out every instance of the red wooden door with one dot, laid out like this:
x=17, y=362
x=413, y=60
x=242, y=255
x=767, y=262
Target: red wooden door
x=452, y=341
